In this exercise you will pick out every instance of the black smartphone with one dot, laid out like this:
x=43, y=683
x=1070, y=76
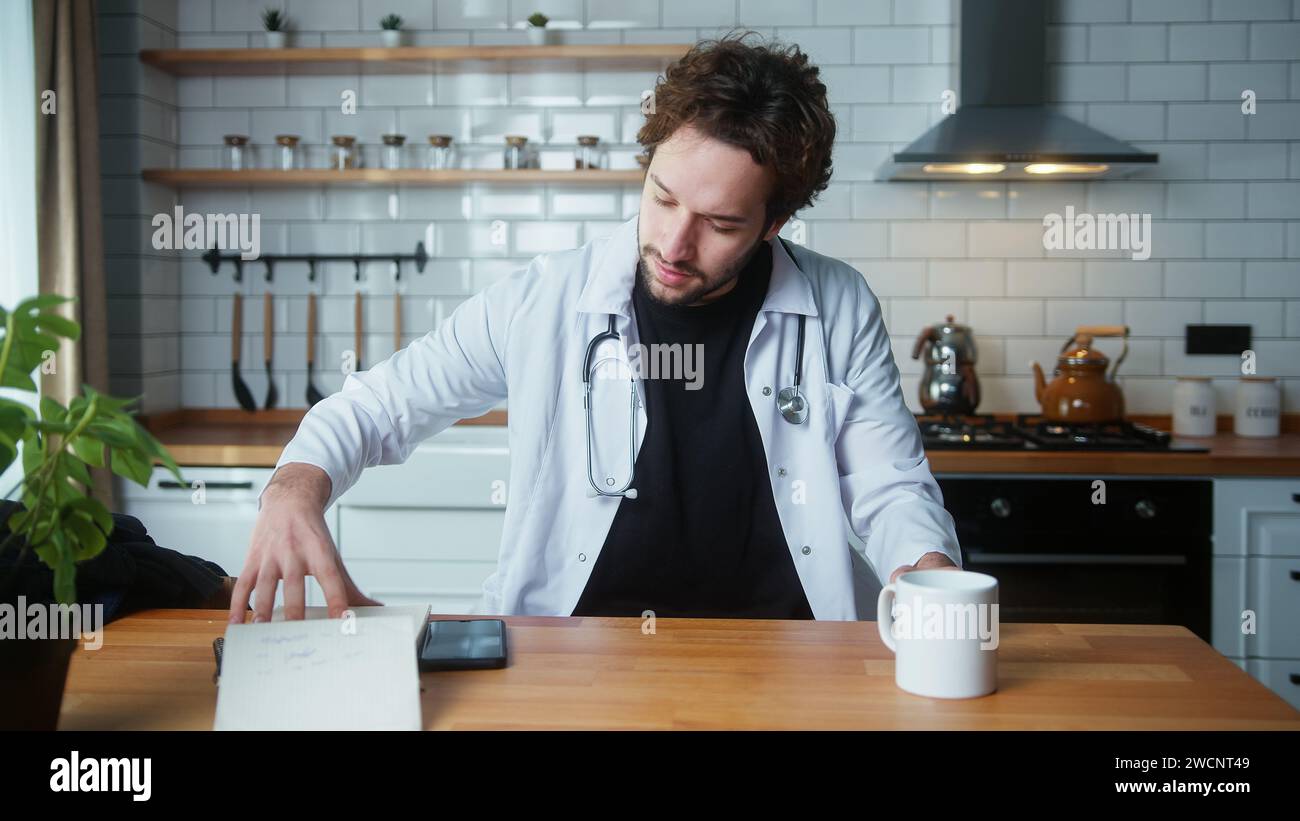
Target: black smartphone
x=463, y=644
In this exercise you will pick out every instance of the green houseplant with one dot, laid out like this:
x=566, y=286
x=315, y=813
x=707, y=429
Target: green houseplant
x=56, y=520
x=391, y=30
x=276, y=24
x=538, y=34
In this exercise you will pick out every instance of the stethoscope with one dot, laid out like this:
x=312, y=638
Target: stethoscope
x=790, y=401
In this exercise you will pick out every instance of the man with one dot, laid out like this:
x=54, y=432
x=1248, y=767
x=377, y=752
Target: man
x=740, y=499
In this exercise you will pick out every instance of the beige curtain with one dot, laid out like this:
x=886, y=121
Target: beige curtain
x=70, y=234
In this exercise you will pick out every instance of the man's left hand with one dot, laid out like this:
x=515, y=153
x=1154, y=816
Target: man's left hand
x=930, y=561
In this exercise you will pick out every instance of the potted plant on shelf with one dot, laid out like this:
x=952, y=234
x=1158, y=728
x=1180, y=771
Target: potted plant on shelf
x=538, y=34
x=391, y=30
x=56, y=520
x=275, y=23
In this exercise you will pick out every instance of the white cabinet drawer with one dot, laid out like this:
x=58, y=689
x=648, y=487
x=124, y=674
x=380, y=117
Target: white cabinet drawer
x=458, y=468
x=1256, y=516
x=213, y=521
x=1282, y=676
x=1273, y=534
x=404, y=533
x=1274, y=593
x=449, y=587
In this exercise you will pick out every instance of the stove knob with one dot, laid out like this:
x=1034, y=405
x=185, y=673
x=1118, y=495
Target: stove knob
x=1000, y=507
x=1145, y=509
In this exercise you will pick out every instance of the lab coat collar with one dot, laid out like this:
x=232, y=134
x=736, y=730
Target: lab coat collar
x=609, y=286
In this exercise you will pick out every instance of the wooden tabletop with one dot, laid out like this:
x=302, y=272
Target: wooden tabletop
x=155, y=669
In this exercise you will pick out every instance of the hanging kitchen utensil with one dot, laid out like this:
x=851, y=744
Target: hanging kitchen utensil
x=397, y=306
x=313, y=395
x=242, y=394
x=268, y=348
x=397, y=322
x=1082, y=390
x=357, y=326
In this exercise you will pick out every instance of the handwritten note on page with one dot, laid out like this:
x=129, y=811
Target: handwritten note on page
x=317, y=674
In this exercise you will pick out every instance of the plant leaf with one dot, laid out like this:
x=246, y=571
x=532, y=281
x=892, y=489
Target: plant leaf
x=8, y=451
x=112, y=432
x=156, y=449
x=96, y=511
x=17, y=377
x=90, y=540
x=130, y=465
x=89, y=449
x=33, y=451
x=58, y=325
x=72, y=467
x=52, y=411
x=40, y=302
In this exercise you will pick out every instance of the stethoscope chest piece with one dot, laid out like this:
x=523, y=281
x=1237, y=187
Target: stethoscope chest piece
x=792, y=405
x=790, y=401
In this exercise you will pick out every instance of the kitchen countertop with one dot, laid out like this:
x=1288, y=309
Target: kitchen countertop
x=235, y=438
x=1227, y=455
x=154, y=671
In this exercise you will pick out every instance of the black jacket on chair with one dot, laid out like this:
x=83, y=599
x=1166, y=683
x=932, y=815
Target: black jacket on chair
x=132, y=573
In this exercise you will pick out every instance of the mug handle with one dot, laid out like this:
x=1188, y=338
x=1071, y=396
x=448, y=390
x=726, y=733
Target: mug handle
x=885, y=616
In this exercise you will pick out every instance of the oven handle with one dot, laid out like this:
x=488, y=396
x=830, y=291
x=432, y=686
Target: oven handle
x=168, y=484
x=981, y=557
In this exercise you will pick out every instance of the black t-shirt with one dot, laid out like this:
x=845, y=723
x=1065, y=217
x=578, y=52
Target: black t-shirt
x=703, y=538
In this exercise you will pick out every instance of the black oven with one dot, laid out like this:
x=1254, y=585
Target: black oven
x=1107, y=551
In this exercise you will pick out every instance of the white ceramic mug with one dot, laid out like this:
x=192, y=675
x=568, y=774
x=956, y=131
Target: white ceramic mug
x=942, y=626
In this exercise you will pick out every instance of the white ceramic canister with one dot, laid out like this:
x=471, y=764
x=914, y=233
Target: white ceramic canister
x=1259, y=407
x=1194, y=406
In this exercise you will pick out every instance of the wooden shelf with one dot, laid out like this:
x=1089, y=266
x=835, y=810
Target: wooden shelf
x=259, y=178
x=405, y=59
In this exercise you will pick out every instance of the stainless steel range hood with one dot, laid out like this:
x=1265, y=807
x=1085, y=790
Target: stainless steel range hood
x=1003, y=129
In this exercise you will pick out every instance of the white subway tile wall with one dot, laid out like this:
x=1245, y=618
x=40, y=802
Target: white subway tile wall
x=149, y=318
x=1224, y=200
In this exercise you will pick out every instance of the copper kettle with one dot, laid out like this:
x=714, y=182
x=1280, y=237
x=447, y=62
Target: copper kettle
x=1082, y=390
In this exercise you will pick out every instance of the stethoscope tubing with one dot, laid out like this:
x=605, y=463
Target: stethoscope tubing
x=793, y=417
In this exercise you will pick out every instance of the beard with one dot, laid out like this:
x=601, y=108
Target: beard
x=701, y=286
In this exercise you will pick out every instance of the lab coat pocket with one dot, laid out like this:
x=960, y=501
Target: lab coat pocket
x=838, y=400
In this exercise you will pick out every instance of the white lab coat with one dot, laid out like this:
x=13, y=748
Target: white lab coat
x=856, y=462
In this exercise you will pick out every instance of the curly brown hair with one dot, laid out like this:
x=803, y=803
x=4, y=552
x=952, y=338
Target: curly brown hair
x=766, y=99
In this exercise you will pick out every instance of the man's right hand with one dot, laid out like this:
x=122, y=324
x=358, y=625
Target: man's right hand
x=290, y=542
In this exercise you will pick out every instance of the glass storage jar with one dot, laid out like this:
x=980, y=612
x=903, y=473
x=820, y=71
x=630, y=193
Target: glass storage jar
x=343, y=154
x=516, y=155
x=392, y=150
x=286, y=151
x=587, y=155
x=236, y=156
x=439, y=151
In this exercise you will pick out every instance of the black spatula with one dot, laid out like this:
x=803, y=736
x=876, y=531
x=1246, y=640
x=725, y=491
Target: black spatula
x=268, y=349
x=313, y=395
x=242, y=394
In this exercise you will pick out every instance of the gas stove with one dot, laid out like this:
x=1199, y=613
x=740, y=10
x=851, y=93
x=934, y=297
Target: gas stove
x=1032, y=432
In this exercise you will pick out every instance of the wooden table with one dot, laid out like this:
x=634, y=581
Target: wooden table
x=155, y=672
